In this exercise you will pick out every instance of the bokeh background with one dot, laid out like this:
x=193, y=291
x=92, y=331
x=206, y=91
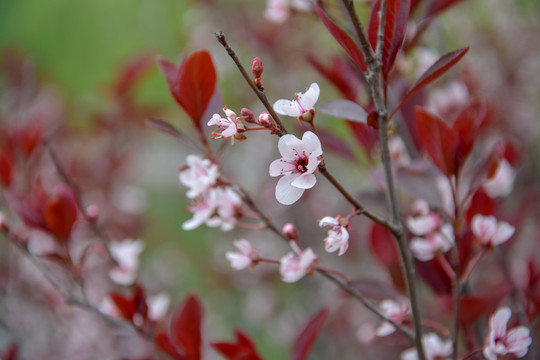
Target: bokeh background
x=77, y=48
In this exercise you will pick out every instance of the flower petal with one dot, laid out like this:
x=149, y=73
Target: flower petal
x=281, y=167
x=498, y=322
x=290, y=147
x=305, y=181
x=312, y=143
x=308, y=99
x=287, y=194
x=503, y=234
x=287, y=107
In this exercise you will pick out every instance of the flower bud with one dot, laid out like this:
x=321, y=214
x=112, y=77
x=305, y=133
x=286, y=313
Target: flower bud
x=265, y=119
x=372, y=119
x=92, y=211
x=257, y=67
x=290, y=232
x=248, y=115
x=307, y=116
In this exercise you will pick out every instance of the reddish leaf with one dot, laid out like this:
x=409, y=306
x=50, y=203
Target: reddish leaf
x=438, y=6
x=125, y=305
x=130, y=74
x=383, y=246
x=6, y=167
x=306, y=338
x=165, y=127
x=163, y=341
x=185, y=328
x=336, y=144
x=482, y=204
x=468, y=124
x=365, y=135
x=435, y=276
x=242, y=349
x=441, y=66
x=439, y=141
x=342, y=38
x=192, y=84
x=471, y=308
x=61, y=213
x=341, y=74
x=344, y=109
x=397, y=14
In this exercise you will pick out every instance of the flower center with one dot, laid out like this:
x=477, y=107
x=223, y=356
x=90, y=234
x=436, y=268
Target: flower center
x=302, y=163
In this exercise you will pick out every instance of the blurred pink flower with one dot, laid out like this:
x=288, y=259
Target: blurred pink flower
x=338, y=236
x=300, y=160
x=394, y=310
x=434, y=347
x=244, y=257
x=199, y=175
x=302, y=104
x=158, y=305
x=277, y=11
x=126, y=253
x=228, y=126
x=432, y=244
x=296, y=264
x=503, y=342
x=502, y=182
x=489, y=231
x=424, y=221
x=217, y=207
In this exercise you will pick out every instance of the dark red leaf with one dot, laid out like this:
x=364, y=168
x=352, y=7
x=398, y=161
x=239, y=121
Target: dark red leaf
x=242, y=349
x=130, y=74
x=341, y=74
x=126, y=306
x=438, y=6
x=397, y=14
x=468, y=123
x=165, y=127
x=163, y=341
x=439, y=141
x=61, y=213
x=482, y=204
x=336, y=144
x=384, y=248
x=10, y=353
x=366, y=136
x=6, y=167
x=435, y=276
x=192, y=84
x=306, y=338
x=471, y=308
x=185, y=328
x=342, y=38
x=441, y=66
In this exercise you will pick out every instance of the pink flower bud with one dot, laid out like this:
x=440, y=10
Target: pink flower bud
x=290, y=232
x=257, y=67
x=248, y=115
x=265, y=119
x=92, y=211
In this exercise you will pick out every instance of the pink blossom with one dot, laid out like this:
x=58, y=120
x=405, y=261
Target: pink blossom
x=502, y=182
x=296, y=264
x=424, y=221
x=228, y=126
x=338, y=236
x=126, y=254
x=434, y=348
x=398, y=151
x=199, y=175
x=396, y=311
x=437, y=242
x=300, y=160
x=302, y=104
x=158, y=305
x=217, y=207
x=278, y=11
x=242, y=258
x=502, y=342
x=489, y=231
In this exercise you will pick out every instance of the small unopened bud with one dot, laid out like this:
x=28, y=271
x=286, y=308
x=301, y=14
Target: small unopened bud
x=290, y=232
x=265, y=119
x=248, y=115
x=92, y=211
x=257, y=67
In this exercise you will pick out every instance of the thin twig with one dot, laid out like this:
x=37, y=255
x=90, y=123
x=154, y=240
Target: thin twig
x=380, y=35
x=92, y=221
x=260, y=93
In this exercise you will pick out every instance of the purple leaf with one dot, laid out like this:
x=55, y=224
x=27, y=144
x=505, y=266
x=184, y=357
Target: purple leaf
x=344, y=109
